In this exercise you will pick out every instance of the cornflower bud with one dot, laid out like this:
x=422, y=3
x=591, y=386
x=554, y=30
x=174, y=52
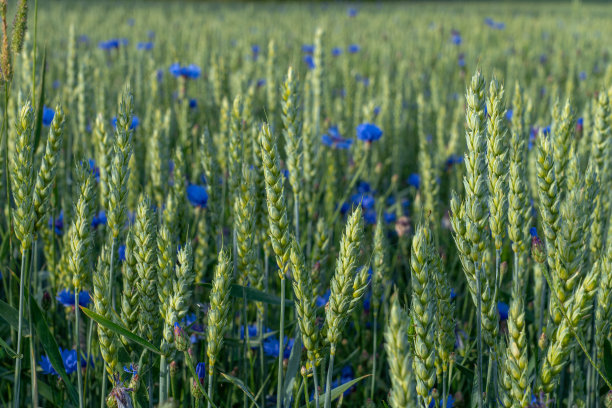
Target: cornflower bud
x=180, y=338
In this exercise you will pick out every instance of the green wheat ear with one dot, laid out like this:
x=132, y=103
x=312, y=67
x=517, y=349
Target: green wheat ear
x=22, y=178
x=397, y=347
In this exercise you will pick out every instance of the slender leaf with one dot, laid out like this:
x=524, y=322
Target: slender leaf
x=8, y=349
x=252, y=294
x=292, y=366
x=338, y=391
x=51, y=348
x=238, y=383
x=11, y=315
x=4, y=249
x=103, y=321
x=39, y=107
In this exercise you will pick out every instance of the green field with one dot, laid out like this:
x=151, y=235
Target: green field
x=411, y=201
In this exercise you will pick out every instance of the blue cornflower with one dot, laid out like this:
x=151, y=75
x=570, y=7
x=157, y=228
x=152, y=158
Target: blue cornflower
x=151, y=34
x=70, y=359
x=83, y=39
x=502, y=309
x=546, y=131
x=190, y=71
x=509, y=114
x=453, y=294
x=461, y=60
x=46, y=366
x=261, y=82
x=453, y=159
x=533, y=231
x=193, y=103
x=133, y=125
x=308, y=48
x=66, y=298
x=255, y=49
x=322, y=300
x=121, y=253
x=95, y=170
x=111, y=44
x=201, y=372
x=334, y=139
x=580, y=121
x=456, y=37
x=57, y=223
x=354, y=48
x=376, y=110
x=188, y=320
x=309, y=61
x=414, y=180
x=489, y=21
x=144, y=46
x=336, y=51
x=159, y=75
x=197, y=195
x=363, y=187
x=499, y=26
x=131, y=370
x=56, y=84
x=449, y=402
x=390, y=200
x=352, y=12
x=271, y=346
x=98, y=219
x=48, y=115
x=251, y=330
x=369, y=216
x=368, y=132
x=582, y=75
x=389, y=217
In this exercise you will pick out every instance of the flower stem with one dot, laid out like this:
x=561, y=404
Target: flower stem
x=373, y=385
x=163, y=388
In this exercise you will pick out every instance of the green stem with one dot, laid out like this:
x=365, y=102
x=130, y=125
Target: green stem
x=78, y=348
x=210, y=384
x=150, y=379
x=479, y=335
x=316, y=383
x=22, y=279
x=281, y=347
x=305, y=383
x=373, y=384
x=330, y=371
x=33, y=380
x=163, y=389
x=103, y=393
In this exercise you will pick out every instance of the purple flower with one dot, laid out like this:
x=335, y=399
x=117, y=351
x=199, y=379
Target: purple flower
x=197, y=195
x=368, y=132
